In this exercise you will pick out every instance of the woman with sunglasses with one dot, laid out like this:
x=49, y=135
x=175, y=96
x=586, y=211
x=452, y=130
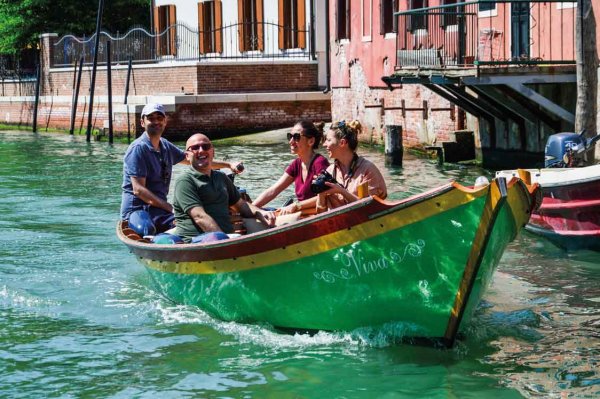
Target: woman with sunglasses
x=304, y=138
x=352, y=173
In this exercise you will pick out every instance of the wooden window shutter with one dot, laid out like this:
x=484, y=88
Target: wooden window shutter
x=259, y=25
x=241, y=26
x=172, y=31
x=201, y=28
x=301, y=24
x=281, y=28
x=157, y=29
x=218, y=26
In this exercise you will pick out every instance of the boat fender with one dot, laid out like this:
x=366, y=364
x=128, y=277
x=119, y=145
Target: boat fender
x=210, y=237
x=141, y=222
x=481, y=181
x=166, y=238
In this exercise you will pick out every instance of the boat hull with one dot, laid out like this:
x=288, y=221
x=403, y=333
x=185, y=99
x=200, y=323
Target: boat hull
x=421, y=264
x=569, y=215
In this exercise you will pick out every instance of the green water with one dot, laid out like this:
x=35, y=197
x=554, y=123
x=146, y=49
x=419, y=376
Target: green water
x=79, y=318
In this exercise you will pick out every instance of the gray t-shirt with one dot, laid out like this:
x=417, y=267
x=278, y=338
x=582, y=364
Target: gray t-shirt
x=214, y=193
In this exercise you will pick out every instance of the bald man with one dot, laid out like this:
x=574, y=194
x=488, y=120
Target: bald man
x=202, y=196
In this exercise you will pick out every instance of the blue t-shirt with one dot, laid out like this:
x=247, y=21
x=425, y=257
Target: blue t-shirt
x=142, y=160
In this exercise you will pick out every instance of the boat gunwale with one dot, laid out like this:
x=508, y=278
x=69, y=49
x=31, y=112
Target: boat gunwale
x=375, y=202
x=339, y=219
x=582, y=175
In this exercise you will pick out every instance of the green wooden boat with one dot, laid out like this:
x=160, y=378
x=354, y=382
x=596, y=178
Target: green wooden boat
x=423, y=263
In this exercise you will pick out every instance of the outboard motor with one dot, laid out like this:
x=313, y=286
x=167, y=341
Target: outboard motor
x=567, y=150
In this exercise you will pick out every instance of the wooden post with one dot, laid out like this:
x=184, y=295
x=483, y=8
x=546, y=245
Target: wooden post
x=393, y=145
x=109, y=86
x=129, y=68
x=587, y=70
x=88, y=132
x=76, y=97
x=37, y=96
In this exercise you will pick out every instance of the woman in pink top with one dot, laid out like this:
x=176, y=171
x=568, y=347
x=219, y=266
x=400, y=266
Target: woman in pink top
x=349, y=169
x=304, y=138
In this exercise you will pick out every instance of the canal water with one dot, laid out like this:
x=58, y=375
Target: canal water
x=79, y=317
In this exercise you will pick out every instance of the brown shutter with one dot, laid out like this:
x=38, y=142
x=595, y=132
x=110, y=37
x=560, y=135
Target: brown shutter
x=259, y=23
x=201, y=28
x=172, y=30
x=156, y=25
x=218, y=26
x=281, y=28
x=241, y=26
x=301, y=24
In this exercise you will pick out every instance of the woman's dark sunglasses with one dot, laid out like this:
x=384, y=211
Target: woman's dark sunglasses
x=295, y=136
x=196, y=147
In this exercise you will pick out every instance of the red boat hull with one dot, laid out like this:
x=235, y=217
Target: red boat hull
x=570, y=212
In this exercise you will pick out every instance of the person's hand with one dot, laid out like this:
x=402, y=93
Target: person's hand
x=334, y=188
x=236, y=167
x=286, y=210
x=266, y=217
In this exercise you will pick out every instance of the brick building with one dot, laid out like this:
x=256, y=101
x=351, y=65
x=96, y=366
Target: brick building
x=439, y=69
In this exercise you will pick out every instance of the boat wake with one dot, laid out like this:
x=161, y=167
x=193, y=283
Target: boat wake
x=265, y=335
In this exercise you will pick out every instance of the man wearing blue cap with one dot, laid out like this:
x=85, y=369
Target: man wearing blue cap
x=148, y=167
x=147, y=170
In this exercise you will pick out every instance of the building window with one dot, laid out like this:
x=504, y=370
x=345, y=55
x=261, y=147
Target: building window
x=250, y=14
x=388, y=8
x=210, y=24
x=486, y=5
x=417, y=21
x=450, y=14
x=165, y=29
x=292, y=24
x=343, y=19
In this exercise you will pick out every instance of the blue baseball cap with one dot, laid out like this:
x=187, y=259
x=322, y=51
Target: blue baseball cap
x=153, y=107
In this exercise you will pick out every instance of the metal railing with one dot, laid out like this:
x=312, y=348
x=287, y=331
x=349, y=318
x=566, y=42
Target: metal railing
x=492, y=33
x=179, y=42
x=21, y=65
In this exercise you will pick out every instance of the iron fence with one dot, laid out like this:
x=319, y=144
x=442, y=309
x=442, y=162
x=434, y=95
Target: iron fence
x=21, y=65
x=493, y=33
x=181, y=43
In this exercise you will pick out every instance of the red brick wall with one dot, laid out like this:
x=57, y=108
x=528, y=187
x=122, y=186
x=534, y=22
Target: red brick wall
x=12, y=88
x=228, y=117
x=216, y=119
x=257, y=78
x=195, y=79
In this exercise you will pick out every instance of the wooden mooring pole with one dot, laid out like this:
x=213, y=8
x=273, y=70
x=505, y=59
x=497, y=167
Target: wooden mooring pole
x=393, y=145
x=109, y=84
x=129, y=68
x=38, y=78
x=76, y=97
x=88, y=132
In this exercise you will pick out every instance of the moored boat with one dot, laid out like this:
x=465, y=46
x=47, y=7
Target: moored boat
x=423, y=263
x=569, y=215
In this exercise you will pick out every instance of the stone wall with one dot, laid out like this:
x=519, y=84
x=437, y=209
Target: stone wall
x=376, y=107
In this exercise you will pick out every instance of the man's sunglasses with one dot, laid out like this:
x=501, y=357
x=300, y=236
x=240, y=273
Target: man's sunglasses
x=295, y=136
x=196, y=147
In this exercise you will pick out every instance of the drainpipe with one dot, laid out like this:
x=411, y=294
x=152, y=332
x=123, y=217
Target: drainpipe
x=327, y=57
